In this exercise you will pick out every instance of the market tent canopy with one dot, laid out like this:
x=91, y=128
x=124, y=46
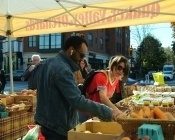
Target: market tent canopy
x=20, y=18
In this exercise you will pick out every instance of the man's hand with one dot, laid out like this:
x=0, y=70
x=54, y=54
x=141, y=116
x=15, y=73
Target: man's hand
x=31, y=67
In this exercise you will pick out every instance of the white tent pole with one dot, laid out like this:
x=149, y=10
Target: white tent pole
x=8, y=33
x=10, y=64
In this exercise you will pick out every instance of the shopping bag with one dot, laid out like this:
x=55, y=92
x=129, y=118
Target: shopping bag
x=32, y=134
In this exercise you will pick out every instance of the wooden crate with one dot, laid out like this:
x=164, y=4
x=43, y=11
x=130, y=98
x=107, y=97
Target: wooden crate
x=5, y=126
x=14, y=135
x=10, y=126
x=7, y=100
x=28, y=98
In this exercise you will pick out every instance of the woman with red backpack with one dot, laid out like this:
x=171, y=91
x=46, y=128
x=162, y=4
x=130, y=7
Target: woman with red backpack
x=105, y=82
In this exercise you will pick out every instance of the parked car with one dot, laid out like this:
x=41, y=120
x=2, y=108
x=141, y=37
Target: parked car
x=168, y=75
x=17, y=75
x=131, y=81
x=168, y=71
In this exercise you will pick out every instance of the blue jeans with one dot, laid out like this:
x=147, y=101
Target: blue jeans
x=51, y=135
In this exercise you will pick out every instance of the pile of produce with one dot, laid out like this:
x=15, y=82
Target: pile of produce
x=151, y=113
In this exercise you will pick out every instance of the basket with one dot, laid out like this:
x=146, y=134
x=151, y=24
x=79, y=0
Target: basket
x=18, y=112
x=130, y=125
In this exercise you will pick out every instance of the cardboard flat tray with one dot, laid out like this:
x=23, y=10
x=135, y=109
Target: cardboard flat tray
x=95, y=130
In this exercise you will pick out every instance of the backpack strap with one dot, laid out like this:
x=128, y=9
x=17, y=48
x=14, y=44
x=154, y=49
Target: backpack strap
x=105, y=72
x=99, y=71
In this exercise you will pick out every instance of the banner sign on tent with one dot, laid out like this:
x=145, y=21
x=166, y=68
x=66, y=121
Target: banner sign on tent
x=105, y=14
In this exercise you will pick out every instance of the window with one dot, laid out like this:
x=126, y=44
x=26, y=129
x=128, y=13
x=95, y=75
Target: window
x=90, y=39
x=118, y=45
x=101, y=43
x=32, y=41
x=55, y=41
x=44, y=42
x=50, y=41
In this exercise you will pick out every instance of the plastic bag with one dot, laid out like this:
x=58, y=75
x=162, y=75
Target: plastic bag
x=32, y=134
x=159, y=78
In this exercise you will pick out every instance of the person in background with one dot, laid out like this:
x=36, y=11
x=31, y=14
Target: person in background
x=27, y=76
x=58, y=97
x=84, y=68
x=2, y=81
x=81, y=74
x=78, y=77
x=104, y=84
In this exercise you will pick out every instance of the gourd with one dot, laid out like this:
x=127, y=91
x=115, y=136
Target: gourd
x=159, y=114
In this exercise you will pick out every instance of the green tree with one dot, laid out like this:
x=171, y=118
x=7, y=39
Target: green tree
x=173, y=47
x=169, y=55
x=150, y=55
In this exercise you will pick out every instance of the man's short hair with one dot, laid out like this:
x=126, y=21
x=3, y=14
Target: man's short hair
x=75, y=42
x=35, y=56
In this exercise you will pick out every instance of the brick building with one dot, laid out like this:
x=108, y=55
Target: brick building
x=103, y=44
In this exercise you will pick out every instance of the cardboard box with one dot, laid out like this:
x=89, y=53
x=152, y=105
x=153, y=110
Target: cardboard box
x=107, y=130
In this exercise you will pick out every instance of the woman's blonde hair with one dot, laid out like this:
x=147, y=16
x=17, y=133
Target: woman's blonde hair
x=116, y=60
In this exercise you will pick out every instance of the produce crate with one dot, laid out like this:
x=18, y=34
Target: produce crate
x=6, y=99
x=6, y=126
x=16, y=134
x=129, y=90
x=27, y=99
x=20, y=112
x=96, y=131
x=130, y=125
x=27, y=118
x=15, y=123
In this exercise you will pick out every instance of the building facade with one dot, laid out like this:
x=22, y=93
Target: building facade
x=102, y=43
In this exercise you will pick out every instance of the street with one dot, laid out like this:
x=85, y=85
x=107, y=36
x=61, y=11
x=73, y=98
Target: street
x=20, y=85
x=171, y=82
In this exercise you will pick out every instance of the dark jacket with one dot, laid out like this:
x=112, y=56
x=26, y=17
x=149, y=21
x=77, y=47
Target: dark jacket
x=59, y=98
x=29, y=76
x=3, y=81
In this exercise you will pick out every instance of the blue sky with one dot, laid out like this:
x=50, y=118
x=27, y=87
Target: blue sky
x=161, y=31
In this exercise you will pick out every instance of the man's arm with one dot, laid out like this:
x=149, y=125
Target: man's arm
x=28, y=72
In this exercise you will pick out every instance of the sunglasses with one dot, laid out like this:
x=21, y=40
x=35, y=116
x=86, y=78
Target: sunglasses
x=119, y=67
x=82, y=55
